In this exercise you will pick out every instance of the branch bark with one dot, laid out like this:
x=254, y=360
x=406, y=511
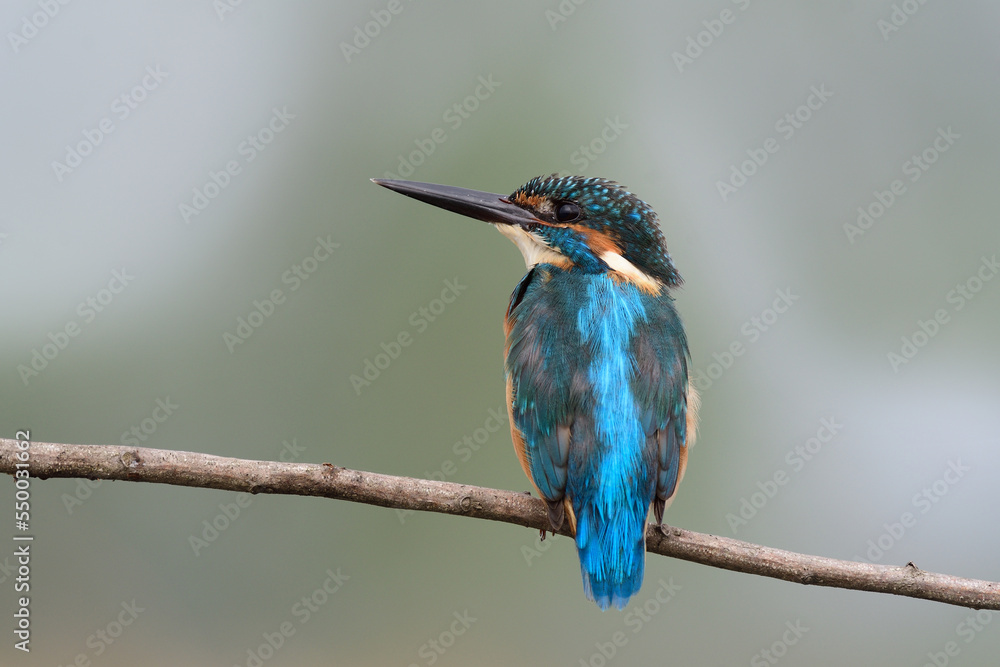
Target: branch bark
x=328, y=481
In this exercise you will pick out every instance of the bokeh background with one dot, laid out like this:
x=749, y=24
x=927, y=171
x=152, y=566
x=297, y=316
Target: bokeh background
x=175, y=163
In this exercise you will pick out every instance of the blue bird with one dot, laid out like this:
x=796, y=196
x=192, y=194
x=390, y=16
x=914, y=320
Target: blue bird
x=601, y=409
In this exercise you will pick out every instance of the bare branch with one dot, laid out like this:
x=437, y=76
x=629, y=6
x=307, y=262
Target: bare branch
x=216, y=472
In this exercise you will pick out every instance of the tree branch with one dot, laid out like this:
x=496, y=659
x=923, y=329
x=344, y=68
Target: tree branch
x=216, y=472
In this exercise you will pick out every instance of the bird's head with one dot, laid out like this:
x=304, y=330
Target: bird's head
x=588, y=224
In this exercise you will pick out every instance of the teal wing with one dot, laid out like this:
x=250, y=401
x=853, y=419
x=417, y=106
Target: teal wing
x=661, y=388
x=546, y=376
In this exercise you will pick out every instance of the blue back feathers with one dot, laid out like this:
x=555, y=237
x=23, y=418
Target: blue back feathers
x=611, y=515
x=603, y=365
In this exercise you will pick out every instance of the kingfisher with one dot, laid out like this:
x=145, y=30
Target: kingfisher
x=602, y=412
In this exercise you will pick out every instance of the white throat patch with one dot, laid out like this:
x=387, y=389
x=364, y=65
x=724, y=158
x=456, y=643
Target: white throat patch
x=534, y=249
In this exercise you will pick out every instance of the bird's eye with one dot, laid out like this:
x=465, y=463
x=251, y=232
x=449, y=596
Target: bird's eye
x=567, y=212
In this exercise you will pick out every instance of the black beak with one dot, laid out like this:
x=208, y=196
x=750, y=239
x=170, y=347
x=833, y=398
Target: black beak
x=484, y=206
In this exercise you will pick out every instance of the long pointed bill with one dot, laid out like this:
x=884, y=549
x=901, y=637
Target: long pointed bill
x=484, y=206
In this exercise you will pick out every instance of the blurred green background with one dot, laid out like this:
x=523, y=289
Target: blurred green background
x=204, y=151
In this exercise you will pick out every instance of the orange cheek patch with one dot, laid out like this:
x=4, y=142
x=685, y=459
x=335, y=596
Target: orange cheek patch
x=598, y=242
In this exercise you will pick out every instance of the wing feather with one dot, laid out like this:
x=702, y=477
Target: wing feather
x=661, y=387
x=541, y=368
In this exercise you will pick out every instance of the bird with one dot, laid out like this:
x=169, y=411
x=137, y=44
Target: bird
x=602, y=411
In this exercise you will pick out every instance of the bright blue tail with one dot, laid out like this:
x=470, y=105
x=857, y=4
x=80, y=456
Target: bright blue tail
x=612, y=552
